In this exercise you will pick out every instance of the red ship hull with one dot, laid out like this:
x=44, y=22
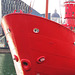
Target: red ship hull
x=40, y=46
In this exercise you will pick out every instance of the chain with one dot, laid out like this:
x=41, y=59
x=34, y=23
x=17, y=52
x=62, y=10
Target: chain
x=5, y=35
x=2, y=37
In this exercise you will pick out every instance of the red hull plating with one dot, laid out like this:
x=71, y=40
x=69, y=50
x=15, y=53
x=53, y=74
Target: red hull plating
x=52, y=42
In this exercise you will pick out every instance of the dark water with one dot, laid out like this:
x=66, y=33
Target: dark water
x=6, y=65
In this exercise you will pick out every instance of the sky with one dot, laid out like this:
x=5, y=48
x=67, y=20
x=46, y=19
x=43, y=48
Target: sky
x=39, y=5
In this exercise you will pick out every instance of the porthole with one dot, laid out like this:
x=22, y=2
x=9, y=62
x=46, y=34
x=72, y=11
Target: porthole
x=36, y=30
x=67, y=7
x=72, y=12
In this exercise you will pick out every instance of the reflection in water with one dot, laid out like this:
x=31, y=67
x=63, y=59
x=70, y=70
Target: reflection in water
x=6, y=65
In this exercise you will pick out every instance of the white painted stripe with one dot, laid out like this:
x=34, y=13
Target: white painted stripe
x=69, y=3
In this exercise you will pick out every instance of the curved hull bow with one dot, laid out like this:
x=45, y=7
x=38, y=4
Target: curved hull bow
x=39, y=46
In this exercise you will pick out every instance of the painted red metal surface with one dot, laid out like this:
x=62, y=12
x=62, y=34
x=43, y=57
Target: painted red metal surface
x=33, y=37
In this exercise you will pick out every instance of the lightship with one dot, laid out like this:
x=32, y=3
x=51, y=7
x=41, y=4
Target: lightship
x=40, y=46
